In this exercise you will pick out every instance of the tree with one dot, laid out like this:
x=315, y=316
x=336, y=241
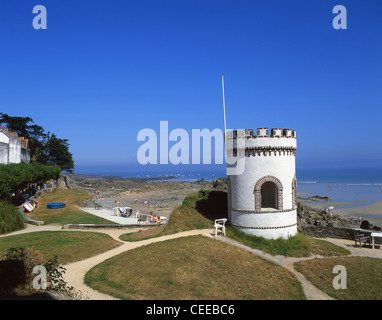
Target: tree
x=18, y=124
x=57, y=153
x=17, y=176
x=45, y=148
x=34, y=133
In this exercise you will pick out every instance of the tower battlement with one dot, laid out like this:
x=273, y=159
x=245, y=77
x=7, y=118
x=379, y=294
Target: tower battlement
x=278, y=140
x=261, y=133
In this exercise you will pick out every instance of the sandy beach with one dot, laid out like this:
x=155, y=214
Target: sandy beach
x=166, y=200
x=142, y=195
x=372, y=212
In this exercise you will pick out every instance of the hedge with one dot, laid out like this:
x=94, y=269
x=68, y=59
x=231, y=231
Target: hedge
x=18, y=176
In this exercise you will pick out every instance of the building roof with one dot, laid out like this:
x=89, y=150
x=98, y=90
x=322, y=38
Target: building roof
x=23, y=140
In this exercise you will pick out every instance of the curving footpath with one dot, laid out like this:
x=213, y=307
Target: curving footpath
x=75, y=272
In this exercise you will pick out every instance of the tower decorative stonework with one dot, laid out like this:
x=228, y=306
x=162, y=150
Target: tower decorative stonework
x=262, y=182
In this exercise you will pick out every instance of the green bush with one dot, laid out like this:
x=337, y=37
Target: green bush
x=17, y=176
x=18, y=264
x=10, y=218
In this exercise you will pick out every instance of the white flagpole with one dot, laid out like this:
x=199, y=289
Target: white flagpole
x=225, y=124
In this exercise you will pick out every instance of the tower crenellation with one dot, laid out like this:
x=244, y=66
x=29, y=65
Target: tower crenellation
x=261, y=133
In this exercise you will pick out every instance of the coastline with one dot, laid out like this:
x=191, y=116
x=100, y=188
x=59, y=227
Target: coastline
x=169, y=193
x=351, y=199
x=371, y=212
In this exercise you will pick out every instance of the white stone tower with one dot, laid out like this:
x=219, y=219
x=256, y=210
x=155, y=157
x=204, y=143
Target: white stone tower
x=262, y=182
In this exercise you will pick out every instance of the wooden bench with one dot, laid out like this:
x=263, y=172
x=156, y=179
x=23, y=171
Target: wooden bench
x=361, y=238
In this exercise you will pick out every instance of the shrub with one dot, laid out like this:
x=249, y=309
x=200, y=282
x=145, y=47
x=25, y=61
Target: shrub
x=16, y=176
x=10, y=218
x=17, y=266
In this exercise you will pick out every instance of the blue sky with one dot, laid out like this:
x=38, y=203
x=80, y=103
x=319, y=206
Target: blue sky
x=103, y=70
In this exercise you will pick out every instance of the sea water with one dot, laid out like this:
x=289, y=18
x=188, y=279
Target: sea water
x=361, y=185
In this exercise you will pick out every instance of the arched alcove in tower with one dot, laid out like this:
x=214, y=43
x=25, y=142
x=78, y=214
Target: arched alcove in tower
x=269, y=195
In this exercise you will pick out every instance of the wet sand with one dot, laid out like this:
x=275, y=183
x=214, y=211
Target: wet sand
x=372, y=212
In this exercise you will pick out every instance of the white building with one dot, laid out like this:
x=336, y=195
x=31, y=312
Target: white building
x=13, y=149
x=262, y=182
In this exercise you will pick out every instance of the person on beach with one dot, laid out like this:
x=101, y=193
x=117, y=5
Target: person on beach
x=152, y=218
x=37, y=202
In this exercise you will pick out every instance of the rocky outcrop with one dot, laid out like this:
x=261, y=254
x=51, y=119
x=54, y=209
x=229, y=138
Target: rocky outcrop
x=220, y=184
x=317, y=223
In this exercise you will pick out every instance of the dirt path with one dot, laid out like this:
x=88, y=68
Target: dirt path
x=32, y=228
x=75, y=272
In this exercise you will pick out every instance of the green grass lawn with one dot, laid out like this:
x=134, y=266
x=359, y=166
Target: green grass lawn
x=69, y=246
x=193, y=268
x=299, y=245
x=71, y=214
x=363, y=277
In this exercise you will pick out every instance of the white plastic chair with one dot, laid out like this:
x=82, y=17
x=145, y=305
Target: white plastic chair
x=116, y=211
x=220, y=225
